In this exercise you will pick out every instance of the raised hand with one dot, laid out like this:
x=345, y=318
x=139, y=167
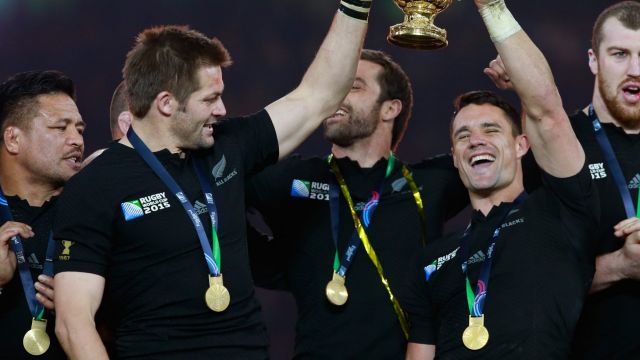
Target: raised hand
x=498, y=74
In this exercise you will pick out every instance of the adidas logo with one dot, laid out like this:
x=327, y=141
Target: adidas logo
x=33, y=259
x=635, y=182
x=476, y=258
x=33, y=262
x=199, y=207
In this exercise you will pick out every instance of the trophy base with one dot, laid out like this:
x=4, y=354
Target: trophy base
x=423, y=38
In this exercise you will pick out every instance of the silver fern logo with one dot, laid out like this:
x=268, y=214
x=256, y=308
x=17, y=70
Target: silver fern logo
x=218, y=170
x=399, y=184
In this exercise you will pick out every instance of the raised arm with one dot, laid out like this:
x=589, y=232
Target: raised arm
x=77, y=299
x=553, y=142
x=326, y=82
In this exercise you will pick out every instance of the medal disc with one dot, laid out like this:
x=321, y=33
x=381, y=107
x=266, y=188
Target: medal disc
x=36, y=342
x=475, y=336
x=217, y=296
x=336, y=291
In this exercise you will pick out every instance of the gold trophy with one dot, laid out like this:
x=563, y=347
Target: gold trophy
x=418, y=31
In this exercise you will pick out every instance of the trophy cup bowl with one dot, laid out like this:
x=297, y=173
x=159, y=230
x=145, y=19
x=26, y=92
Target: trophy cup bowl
x=418, y=31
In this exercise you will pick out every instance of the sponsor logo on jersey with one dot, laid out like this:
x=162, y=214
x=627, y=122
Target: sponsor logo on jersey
x=443, y=259
x=218, y=172
x=66, y=251
x=399, y=184
x=476, y=258
x=199, y=207
x=635, y=182
x=597, y=171
x=309, y=189
x=513, y=222
x=33, y=262
x=145, y=205
x=429, y=270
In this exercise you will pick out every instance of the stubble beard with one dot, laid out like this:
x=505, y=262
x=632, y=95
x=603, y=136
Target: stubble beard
x=628, y=117
x=356, y=127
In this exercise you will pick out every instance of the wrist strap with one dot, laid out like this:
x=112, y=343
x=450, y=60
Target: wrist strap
x=499, y=21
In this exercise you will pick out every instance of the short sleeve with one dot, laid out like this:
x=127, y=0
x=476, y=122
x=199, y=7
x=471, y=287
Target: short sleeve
x=255, y=139
x=416, y=301
x=82, y=227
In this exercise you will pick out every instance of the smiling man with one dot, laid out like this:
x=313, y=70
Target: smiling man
x=512, y=285
x=176, y=281
x=41, y=148
x=605, y=330
x=313, y=225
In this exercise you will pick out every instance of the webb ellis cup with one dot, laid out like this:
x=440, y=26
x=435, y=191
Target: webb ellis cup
x=418, y=31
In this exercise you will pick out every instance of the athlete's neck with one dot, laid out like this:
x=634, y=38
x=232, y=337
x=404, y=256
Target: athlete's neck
x=15, y=180
x=604, y=115
x=366, y=152
x=484, y=201
x=155, y=137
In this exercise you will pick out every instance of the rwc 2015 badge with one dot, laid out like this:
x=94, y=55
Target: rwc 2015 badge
x=310, y=190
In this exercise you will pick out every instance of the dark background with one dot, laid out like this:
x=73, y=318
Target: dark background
x=272, y=43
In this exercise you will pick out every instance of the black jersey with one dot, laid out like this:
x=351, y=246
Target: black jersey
x=542, y=269
x=117, y=219
x=605, y=330
x=15, y=316
x=293, y=196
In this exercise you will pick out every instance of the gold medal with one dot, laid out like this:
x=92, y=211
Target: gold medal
x=217, y=296
x=475, y=336
x=36, y=341
x=336, y=291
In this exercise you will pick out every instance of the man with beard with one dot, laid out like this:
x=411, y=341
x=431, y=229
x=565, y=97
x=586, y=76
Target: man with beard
x=605, y=330
x=512, y=285
x=41, y=148
x=176, y=283
x=346, y=281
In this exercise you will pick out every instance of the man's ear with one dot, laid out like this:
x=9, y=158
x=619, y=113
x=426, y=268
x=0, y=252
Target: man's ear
x=455, y=161
x=124, y=122
x=12, y=138
x=593, y=62
x=522, y=145
x=166, y=103
x=390, y=109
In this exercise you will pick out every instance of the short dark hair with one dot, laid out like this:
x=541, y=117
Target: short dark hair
x=394, y=84
x=627, y=12
x=19, y=93
x=481, y=97
x=167, y=58
x=118, y=105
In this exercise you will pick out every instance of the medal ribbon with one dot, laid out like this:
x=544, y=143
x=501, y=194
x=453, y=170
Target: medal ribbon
x=212, y=257
x=614, y=165
x=476, y=301
x=35, y=307
x=341, y=268
x=360, y=229
x=418, y=200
